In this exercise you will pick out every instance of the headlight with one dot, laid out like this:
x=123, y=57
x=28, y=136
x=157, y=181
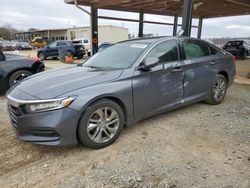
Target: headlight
x=48, y=105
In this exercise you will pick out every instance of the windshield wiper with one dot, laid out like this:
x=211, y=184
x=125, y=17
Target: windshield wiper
x=97, y=68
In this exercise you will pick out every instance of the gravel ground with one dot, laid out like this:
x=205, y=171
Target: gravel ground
x=196, y=146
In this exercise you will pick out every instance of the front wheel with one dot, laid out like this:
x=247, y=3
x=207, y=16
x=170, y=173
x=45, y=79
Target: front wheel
x=18, y=76
x=42, y=56
x=101, y=124
x=218, y=91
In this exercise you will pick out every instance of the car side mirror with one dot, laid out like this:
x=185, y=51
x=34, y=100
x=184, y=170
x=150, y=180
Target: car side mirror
x=148, y=63
x=47, y=47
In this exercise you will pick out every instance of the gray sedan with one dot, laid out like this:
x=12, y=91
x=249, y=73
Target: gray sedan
x=119, y=86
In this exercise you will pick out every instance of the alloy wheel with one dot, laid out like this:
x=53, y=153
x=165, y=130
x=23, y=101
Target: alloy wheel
x=103, y=124
x=20, y=77
x=219, y=89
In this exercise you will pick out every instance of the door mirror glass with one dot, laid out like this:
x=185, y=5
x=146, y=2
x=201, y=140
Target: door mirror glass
x=148, y=63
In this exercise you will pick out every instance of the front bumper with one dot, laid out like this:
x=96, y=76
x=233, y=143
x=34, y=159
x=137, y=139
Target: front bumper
x=56, y=127
x=79, y=53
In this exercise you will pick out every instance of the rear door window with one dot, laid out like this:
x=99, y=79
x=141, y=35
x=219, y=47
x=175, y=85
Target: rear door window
x=166, y=51
x=62, y=44
x=195, y=49
x=213, y=49
x=53, y=45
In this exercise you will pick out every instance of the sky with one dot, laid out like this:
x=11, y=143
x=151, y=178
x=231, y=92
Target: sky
x=43, y=14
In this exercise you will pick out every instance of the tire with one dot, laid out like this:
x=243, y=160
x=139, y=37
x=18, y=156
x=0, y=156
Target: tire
x=42, y=56
x=244, y=55
x=95, y=135
x=80, y=57
x=218, y=90
x=18, y=76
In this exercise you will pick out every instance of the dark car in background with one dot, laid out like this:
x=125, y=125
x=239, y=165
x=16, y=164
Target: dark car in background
x=15, y=68
x=104, y=45
x=23, y=46
x=239, y=48
x=52, y=50
x=121, y=85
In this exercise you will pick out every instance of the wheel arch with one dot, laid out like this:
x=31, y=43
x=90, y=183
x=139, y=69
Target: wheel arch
x=19, y=69
x=109, y=97
x=225, y=74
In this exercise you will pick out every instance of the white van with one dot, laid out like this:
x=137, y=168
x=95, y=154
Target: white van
x=85, y=42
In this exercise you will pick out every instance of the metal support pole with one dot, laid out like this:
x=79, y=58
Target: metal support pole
x=187, y=17
x=49, y=37
x=175, y=25
x=199, y=28
x=94, y=29
x=141, y=19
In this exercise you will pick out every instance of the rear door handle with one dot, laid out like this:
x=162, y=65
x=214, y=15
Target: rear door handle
x=213, y=63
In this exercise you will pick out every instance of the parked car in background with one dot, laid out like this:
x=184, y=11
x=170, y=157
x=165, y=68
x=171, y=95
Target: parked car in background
x=52, y=50
x=15, y=68
x=239, y=48
x=23, y=46
x=7, y=45
x=104, y=45
x=85, y=42
x=38, y=42
x=127, y=82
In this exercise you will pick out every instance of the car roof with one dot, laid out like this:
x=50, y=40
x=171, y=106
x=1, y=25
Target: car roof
x=152, y=40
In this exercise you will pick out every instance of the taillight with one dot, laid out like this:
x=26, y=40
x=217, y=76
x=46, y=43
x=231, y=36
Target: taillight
x=234, y=59
x=36, y=60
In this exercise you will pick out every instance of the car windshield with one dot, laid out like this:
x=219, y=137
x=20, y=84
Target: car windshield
x=234, y=43
x=119, y=56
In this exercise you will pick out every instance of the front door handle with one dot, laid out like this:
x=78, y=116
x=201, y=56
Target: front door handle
x=213, y=63
x=177, y=69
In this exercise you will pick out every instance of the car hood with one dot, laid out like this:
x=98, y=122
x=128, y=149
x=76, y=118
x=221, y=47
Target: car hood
x=51, y=84
x=41, y=49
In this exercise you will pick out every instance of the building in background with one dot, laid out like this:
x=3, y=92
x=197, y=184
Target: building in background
x=107, y=33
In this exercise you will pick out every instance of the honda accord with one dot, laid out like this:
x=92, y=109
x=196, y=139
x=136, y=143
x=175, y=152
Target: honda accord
x=119, y=86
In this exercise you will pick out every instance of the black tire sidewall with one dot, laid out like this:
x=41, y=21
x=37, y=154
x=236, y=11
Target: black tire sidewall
x=244, y=55
x=212, y=100
x=15, y=74
x=82, y=126
x=43, y=55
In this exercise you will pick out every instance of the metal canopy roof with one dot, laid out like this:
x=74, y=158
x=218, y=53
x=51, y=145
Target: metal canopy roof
x=201, y=8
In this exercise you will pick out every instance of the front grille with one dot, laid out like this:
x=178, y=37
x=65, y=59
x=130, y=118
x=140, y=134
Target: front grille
x=14, y=113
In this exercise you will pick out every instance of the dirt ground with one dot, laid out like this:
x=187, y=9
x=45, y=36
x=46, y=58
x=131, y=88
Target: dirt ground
x=196, y=146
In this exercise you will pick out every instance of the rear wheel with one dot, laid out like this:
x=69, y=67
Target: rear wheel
x=18, y=76
x=101, y=124
x=218, y=91
x=244, y=56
